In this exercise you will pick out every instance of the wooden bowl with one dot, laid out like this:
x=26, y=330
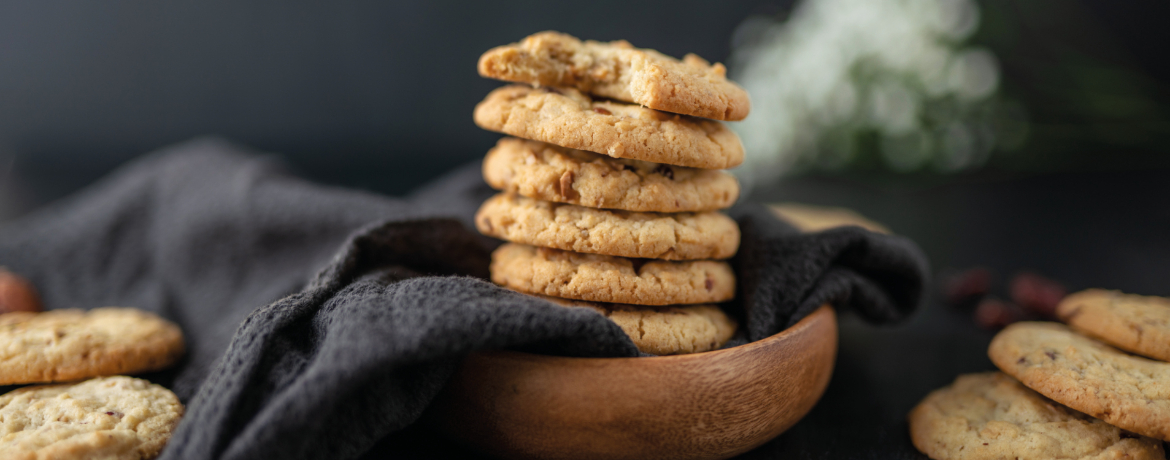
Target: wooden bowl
x=701, y=406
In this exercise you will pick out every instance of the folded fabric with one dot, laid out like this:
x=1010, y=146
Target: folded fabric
x=320, y=320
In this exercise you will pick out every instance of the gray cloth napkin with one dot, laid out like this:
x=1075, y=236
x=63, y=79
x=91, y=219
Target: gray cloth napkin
x=320, y=320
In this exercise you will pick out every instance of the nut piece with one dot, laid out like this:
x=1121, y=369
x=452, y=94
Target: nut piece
x=17, y=294
x=567, y=185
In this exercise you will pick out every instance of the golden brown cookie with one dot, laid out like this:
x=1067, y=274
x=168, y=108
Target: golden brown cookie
x=1139, y=324
x=1127, y=391
x=552, y=173
x=619, y=71
x=992, y=416
x=610, y=279
x=63, y=345
x=677, y=236
x=568, y=118
x=665, y=330
x=110, y=418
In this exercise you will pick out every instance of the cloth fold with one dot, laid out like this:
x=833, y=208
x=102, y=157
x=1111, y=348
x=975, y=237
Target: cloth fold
x=320, y=320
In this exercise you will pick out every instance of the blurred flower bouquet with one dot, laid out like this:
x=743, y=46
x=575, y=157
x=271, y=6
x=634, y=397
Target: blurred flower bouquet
x=888, y=82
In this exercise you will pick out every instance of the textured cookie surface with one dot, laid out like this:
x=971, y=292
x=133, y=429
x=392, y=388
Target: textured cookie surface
x=677, y=236
x=1139, y=324
x=553, y=173
x=992, y=416
x=568, y=118
x=63, y=345
x=666, y=330
x=610, y=279
x=109, y=418
x=1127, y=391
x=619, y=71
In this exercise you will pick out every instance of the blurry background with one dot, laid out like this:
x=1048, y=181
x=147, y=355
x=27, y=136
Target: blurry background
x=1013, y=135
x=899, y=108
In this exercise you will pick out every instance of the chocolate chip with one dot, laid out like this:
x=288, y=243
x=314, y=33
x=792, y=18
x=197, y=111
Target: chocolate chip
x=1050, y=355
x=665, y=171
x=602, y=111
x=629, y=168
x=1022, y=360
x=985, y=444
x=567, y=185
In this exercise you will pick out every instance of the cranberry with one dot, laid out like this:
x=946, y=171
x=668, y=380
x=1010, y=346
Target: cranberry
x=992, y=313
x=967, y=287
x=1037, y=293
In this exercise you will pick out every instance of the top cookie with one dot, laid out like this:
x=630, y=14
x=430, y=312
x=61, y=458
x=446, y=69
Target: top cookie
x=554, y=173
x=112, y=418
x=1135, y=323
x=566, y=117
x=619, y=71
x=63, y=345
x=1125, y=390
x=992, y=416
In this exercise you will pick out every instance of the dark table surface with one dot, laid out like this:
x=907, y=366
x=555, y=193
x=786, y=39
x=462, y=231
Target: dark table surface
x=1100, y=229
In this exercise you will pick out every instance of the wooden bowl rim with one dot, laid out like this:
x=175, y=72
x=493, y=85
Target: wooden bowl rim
x=823, y=313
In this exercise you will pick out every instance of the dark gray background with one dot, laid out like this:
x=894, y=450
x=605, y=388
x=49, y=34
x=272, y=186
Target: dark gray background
x=378, y=94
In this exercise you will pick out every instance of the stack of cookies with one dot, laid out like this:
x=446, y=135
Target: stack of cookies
x=1064, y=391
x=612, y=184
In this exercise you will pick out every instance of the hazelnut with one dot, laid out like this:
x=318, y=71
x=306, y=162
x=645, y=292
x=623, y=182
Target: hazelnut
x=17, y=294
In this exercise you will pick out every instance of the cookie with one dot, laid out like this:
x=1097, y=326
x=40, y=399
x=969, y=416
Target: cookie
x=670, y=330
x=1127, y=391
x=1138, y=324
x=992, y=416
x=63, y=345
x=553, y=173
x=617, y=70
x=112, y=418
x=677, y=236
x=568, y=118
x=610, y=279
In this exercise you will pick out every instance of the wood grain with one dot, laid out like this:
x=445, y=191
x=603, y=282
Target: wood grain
x=701, y=406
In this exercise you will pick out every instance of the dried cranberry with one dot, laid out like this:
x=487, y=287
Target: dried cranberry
x=1037, y=293
x=967, y=287
x=602, y=111
x=992, y=313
